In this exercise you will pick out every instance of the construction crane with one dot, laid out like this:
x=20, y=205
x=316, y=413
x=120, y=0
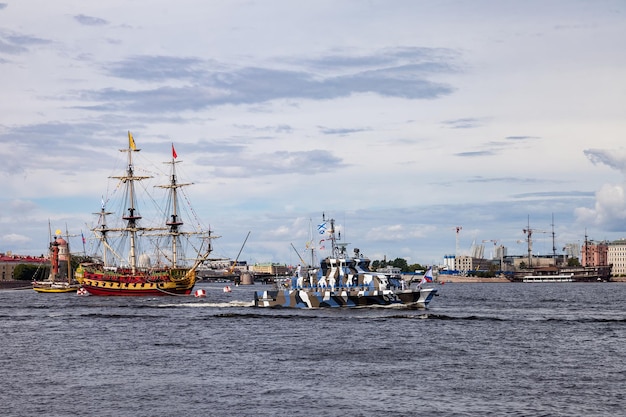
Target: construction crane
x=232, y=267
x=298, y=253
x=458, y=230
x=529, y=240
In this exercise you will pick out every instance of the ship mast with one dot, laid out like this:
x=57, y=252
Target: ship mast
x=333, y=241
x=338, y=250
x=103, y=230
x=132, y=216
x=69, y=263
x=312, y=243
x=174, y=222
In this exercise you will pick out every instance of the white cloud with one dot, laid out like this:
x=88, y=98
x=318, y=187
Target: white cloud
x=613, y=158
x=609, y=211
x=14, y=239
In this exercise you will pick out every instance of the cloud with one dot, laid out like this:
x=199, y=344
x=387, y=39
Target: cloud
x=341, y=131
x=520, y=138
x=18, y=44
x=474, y=154
x=399, y=231
x=21, y=206
x=15, y=239
x=425, y=60
x=281, y=128
x=553, y=194
x=465, y=123
x=157, y=68
x=90, y=20
x=505, y=180
x=609, y=211
x=280, y=162
x=258, y=85
x=206, y=83
x=495, y=147
x=615, y=158
x=9, y=48
x=54, y=142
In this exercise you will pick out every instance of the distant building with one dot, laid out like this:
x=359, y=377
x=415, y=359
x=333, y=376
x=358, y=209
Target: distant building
x=478, y=251
x=448, y=262
x=390, y=270
x=539, y=261
x=594, y=254
x=270, y=269
x=8, y=262
x=500, y=252
x=469, y=263
x=572, y=250
x=617, y=256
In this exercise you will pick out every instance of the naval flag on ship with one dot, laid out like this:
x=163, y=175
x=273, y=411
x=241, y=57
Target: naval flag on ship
x=428, y=276
x=131, y=141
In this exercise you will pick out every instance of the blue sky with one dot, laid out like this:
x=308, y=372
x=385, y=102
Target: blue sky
x=400, y=119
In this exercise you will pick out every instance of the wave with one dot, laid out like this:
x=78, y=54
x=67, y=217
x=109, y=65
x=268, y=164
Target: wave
x=470, y=317
x=528, y=318
x=120, y=316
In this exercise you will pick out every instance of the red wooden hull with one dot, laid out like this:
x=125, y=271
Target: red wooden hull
x=122, y=283
x=148, y=292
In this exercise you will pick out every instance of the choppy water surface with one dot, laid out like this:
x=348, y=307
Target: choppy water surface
x=554, y=349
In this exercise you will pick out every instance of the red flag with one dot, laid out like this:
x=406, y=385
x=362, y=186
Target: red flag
x=174, y=155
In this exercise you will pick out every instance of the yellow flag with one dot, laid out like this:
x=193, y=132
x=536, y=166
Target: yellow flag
x=131, y=141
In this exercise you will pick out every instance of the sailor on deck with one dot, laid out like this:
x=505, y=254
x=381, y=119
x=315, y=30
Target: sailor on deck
x=299, y=275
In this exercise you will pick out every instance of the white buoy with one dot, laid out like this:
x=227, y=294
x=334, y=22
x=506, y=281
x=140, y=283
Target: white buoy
x=200, y=293
x=227, y=289
x=81, y=291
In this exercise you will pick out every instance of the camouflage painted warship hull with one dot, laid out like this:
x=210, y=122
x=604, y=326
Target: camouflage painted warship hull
x=312, y=298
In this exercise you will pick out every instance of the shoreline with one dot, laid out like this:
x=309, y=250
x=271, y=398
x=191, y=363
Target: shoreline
x=458, y=279
x=468, y=280
x=15, y=285
x=441, y=279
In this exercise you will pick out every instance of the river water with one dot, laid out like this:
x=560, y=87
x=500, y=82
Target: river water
x=555, y=349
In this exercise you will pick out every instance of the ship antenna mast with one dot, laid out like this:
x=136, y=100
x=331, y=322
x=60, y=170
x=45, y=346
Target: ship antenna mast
x=333, y=239
x=312, y=244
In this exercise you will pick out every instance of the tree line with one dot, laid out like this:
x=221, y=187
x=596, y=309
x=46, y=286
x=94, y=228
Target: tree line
x=397, y=263
x=30, y=272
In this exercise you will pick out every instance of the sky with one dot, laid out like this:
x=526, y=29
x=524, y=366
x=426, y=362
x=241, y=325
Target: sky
x=400, y=119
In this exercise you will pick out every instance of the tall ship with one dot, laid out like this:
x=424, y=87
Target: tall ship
x=140, y=256
x=343, y=281
x=60, y=278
